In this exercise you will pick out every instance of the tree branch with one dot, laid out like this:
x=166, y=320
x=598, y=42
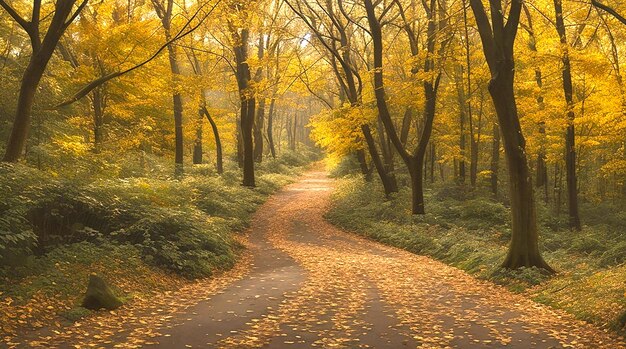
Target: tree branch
x=21, y=21
x=610, y=10
x=78, y=11
x=484, y=29
x=92, y=85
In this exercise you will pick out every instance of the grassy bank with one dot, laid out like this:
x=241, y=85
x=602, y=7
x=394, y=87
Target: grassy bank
x=142, y=234
x=470, y=230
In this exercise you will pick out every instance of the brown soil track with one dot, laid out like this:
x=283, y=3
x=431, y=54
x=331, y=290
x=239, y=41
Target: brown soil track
x=308, y=284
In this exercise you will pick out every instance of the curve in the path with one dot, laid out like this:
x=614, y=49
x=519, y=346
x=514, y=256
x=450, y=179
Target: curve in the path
x=313, y=285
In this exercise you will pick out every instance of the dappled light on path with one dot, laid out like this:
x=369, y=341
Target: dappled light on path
x=308, y=284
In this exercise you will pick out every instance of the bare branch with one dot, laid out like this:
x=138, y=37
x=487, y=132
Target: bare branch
x=610, y=10
x=21, y=21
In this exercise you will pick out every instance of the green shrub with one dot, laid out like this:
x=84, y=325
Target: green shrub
x=615, y=255
x=483, y=213
x=348, y=165
x=180, y=225
x=183, y=242
x=588, y=244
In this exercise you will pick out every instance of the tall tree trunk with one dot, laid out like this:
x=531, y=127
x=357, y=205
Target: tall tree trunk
x=474, y=143
x=388, y=161
x=524, y=248
x=197, y=143
x=414, y=162
x=389, y=182
x=219, y=161
x=21, y=124
x=365, y=170
x=98, y=119
x=270, y=130
x=458, y=77
x=498, y=40
x=495, y=159
x=42, y=51
x=258, y=130
x=542, y=168
x=248, y=103
x=247, y=123
x=239, y=146
x=178, y=115
x=433, y=155
x=406, y=125
x=475, y=136
x=164, y=12
x=260, y=112
x=292, y=132
x=570, y=138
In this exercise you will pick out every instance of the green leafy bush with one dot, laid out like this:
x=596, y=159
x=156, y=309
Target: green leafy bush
x=184, y=242
x=588, y=244
x=180, y=225
x=615, y=255
x=348, y=165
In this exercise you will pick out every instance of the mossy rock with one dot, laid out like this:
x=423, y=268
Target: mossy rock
x=99, y=295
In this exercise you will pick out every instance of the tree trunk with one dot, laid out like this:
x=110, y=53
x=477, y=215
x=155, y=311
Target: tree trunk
x=365, y=170
x=247, y=123
x=197, y=144
x=41, y=53
x=219, y=161
x=178, y=114
x=258, y=130
x=270, y=125
x=433, y=155
x=164, y=12
x=542, y=169
x=495, y=159
x=239, y=146
x=295, y=132
x=417, y=185
x=498, y=41
x=98, y=119
x=414, y=163
x=458, y=77
x=389, y=182
x=406, y=125
x=524, y=247
x=570, y=138
x=247, y=107
x=388, y=162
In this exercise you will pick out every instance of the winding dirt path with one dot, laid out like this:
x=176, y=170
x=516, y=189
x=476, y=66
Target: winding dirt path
x=313, y=285
x=307, y=284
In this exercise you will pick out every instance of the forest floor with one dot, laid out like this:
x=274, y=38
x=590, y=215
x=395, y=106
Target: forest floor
x=305, y=283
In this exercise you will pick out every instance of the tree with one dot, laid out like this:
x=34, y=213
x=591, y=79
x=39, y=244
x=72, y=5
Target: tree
x=498, y=37
x=42, y=50
x=163, y=9
x=414, y=161
x=240, y=37
x=337, y=44
x=570, y=137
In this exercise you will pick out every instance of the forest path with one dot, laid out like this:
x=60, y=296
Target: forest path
x=314, y=285
x=304, y=283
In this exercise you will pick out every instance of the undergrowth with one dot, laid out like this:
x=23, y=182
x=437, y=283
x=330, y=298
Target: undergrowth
x=141, y=234
x=470, y=230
